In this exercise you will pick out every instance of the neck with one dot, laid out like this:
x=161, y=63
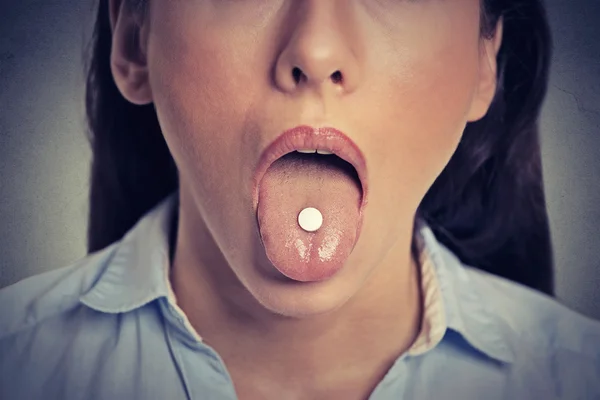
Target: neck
x=369, y=331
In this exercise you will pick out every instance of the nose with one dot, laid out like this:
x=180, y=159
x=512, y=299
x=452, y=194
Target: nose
x=320, y=49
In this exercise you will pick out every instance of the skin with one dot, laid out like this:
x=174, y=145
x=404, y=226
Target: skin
x=220, y=75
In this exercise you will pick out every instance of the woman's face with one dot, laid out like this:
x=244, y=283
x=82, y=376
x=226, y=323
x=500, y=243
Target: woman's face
x=414, y=72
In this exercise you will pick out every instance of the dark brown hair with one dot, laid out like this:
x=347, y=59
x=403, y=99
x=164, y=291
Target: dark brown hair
x=487, y=206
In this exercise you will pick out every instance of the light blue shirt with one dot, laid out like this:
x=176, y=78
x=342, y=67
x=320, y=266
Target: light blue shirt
x=107, y=328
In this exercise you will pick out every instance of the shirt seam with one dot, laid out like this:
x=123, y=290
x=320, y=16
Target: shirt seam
x=176, y=357
x=31, y=325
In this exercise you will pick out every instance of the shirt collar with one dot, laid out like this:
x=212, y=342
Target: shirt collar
x=138, y=274
x=464, y=308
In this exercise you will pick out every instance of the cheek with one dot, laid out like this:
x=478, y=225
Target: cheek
x=430, y=95
x=202, y=92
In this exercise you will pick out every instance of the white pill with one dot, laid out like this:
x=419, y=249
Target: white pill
x=310, y=219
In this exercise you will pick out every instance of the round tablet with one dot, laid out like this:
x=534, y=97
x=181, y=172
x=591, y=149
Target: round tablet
x=310, y=219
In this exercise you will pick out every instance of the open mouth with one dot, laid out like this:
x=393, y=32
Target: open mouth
x=301, y=160
x=318, y=142
x=310, y=192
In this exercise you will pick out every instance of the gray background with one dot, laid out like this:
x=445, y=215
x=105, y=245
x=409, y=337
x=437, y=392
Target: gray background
x=44, y=153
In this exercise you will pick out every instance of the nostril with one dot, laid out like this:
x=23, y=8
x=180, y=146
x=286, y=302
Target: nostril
x=336, y=77
x=297, y=74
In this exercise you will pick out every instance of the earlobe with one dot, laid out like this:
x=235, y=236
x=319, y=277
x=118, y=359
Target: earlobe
x=128, y=56
x=488, y=80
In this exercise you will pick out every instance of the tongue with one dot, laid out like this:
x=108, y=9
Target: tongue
x=293, y=183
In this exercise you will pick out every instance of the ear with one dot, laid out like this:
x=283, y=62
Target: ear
x=128, y=61
x=488, y=67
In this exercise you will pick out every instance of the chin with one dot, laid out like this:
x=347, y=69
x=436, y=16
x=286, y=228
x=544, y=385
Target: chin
x=295, y=299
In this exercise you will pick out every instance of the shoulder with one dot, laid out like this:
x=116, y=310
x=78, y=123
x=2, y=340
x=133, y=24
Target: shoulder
x=45, y=330
x=536, y=318
x=33, y=300
x=556, y=350
x=526, y=316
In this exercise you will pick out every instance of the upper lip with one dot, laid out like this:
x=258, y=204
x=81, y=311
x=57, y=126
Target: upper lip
x=307, y=137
